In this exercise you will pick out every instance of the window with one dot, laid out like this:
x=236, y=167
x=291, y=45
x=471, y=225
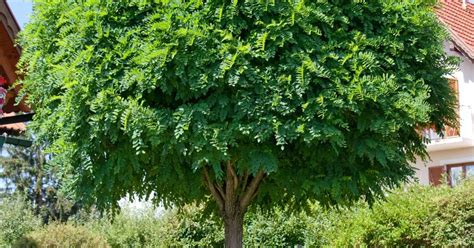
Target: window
x=455, y=173
x=448, y=132
x=459, y=171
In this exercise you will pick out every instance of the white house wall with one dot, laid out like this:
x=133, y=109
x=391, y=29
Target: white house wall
x=465, y=77
x=461, y=149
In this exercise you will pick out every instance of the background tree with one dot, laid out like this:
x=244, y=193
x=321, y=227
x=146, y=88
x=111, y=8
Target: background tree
x=270, y=102
x=25, y=171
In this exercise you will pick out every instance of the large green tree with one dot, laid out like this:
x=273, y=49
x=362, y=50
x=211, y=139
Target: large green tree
x=270, y=102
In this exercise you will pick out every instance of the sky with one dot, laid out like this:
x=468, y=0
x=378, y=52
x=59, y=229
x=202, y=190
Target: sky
x=21, y=9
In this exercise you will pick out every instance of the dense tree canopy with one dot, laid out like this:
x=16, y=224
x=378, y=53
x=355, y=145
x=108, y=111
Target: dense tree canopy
x=314, y=99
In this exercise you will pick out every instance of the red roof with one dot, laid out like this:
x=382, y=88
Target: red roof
x=459, y=20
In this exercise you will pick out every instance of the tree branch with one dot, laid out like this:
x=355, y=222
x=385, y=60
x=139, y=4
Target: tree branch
x=229, y=187
x=248, y=195
x=230, y=169
x=244, y=180
x=254, y=195
x=217, y=196
x=220, y=190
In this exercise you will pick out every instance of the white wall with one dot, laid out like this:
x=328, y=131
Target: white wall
x=465, y=77
x=441, y=158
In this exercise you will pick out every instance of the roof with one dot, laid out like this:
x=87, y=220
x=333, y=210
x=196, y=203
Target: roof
x=14, y=128
x=459, y=20
x=9, y=56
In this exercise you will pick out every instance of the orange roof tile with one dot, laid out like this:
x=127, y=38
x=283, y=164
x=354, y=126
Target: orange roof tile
x=459, y=20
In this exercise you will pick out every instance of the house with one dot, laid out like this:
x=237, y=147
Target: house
x=453, y=154
x=14, y=116
x=12, y=123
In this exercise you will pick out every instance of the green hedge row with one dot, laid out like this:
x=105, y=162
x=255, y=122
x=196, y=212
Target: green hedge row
x=416, y=216
x=413, y=216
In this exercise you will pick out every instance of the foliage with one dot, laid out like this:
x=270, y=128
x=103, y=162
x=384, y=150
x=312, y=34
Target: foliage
x=275, y=228
x=148, y=228
x=413, y=216
x=192, y=226
x=129, y=230
x=16, y=219
x=319, y=99
x=398, y=221
x=57, y=235
x=416, y=216
x=453, y=221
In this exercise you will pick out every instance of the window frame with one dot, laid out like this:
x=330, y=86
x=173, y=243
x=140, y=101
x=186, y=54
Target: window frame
x=463, y=167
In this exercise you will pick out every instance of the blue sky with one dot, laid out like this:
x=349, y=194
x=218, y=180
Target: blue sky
x=21, y=9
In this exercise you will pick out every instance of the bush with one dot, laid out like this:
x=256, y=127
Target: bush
x=189, y=226
x=412, y=216
x=415, y=216
x=62, y=235
x=453, y=218
x=128, y=229
x=16, y=220
x=277, y=228
x=330, y=227
x=192, y=226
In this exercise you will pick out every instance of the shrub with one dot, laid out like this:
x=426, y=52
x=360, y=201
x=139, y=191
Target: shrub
x=129, y=229
x=192, y=226
x=276, y=228
x=62, y=235
x=400, y=220
x=16, y=219
x=331, y=227
x=414, y=216
x=189, y=226
x=453, y=218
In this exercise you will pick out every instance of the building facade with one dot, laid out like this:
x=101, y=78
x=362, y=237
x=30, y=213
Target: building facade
x=453, y=154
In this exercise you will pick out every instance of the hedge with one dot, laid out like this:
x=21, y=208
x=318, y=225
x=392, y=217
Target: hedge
x=411, y=216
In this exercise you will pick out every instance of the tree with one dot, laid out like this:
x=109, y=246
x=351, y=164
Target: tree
x=22, y=169
x=28, y=173
x=263, y=102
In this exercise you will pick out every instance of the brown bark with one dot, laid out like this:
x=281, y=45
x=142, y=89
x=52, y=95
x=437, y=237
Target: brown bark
x=218, y=197
x=251, y=191
x=233, y=196
x=234, y=230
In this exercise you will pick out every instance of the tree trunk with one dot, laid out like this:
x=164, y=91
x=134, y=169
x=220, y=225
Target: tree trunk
x=39, y=182
x=234, y=230
x=233, y=196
